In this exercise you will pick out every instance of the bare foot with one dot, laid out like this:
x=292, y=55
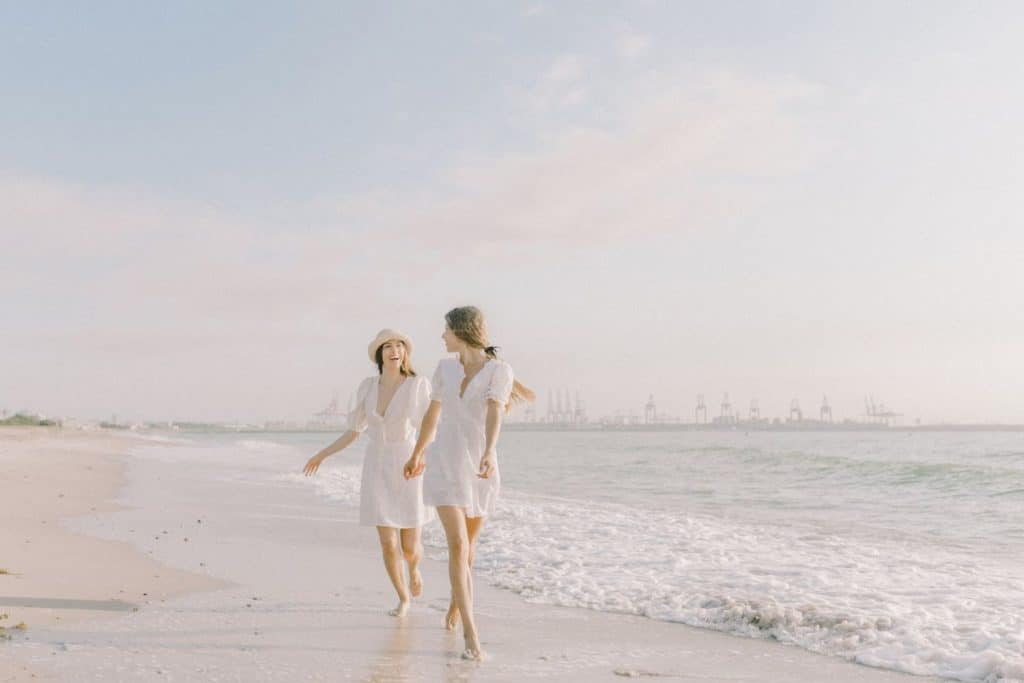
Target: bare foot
x=401, y=610
x=452, y=618
x=415, y=583
x=474, y=654
x=473, y=650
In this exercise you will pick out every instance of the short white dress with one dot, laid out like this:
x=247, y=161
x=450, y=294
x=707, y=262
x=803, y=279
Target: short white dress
x=453, y=459
x=386, y=497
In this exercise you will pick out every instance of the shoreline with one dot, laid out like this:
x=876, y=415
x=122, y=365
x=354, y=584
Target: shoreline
x=307, y=597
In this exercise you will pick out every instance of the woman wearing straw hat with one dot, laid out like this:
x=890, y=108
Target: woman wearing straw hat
x=390, y=405
x=468, y=396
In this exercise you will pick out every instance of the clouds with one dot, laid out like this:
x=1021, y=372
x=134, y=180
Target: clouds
x=770, y=221
x=560, y=86
x=534, y=10
x=131, y=259
x=669, y=164
x=149, y=306
x=632, y=45
x=139, y=276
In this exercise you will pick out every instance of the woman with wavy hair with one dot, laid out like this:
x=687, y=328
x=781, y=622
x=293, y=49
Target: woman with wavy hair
x=468, y=396
x=390, y=405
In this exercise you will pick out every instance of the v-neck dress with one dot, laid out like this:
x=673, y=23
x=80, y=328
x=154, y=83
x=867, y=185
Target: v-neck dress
x=386, y=497
x=453, y=459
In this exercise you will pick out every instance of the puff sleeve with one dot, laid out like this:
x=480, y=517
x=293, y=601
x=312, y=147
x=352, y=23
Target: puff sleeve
x=357, y=417
x=500, y=387
x=437, y=383
x=421, y=401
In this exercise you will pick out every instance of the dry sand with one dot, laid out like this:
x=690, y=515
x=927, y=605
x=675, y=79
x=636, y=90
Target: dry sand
x=51, y=575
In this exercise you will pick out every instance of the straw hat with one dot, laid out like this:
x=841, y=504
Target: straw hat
x=388, y=335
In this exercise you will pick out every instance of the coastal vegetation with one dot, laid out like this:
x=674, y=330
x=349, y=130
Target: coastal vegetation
x=25, y=420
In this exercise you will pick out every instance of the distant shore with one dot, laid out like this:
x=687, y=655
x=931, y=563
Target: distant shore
x=746, y=427
x=215, y=428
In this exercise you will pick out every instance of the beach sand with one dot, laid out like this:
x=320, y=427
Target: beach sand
x=50, y=575
x=274, y=583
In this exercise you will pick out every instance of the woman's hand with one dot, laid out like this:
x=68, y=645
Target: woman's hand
x=414, y=466
x=313, y=464
x=486, y=465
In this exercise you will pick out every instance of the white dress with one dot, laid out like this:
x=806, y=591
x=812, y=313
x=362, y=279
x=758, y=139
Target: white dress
x=386, y=497
x=453, y=459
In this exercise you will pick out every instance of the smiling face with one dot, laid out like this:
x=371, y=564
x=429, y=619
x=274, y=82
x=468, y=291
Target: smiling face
x=392, y=352
x=394, y=355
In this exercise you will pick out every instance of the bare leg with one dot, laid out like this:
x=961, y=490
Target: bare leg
x=473, y=527
x=454, y=521
x=412, y=551
x=390, y=548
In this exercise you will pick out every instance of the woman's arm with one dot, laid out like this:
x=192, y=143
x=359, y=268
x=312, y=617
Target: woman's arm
x=428, y=429
x=341, y=442
x=492, y=427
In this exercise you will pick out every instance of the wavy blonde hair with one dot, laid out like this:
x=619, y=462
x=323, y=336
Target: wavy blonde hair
x=468, y=324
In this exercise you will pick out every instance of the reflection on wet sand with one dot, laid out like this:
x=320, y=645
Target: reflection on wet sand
x=391, y=663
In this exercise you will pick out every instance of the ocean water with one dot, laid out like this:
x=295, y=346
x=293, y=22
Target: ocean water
x=898, y=550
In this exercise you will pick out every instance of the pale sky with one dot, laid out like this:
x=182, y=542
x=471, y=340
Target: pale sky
x=207, y=210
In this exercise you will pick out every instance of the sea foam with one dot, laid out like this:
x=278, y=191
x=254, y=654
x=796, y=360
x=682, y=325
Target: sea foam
x=886, y=599
x=886, y=603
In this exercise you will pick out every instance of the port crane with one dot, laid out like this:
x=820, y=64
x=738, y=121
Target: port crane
x=878, y=412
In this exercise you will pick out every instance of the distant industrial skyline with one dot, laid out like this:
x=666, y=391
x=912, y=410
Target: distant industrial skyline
x=565, y=407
